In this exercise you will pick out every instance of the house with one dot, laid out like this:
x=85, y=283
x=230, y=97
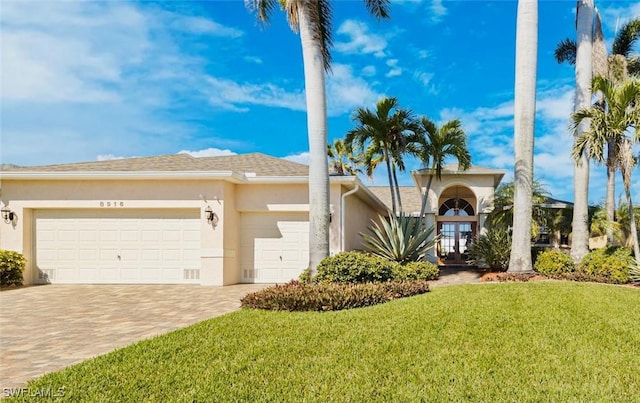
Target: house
x=173, y=219
x=210, y=220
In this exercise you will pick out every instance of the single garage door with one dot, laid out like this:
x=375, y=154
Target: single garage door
x=274, y=247
x=118, y=246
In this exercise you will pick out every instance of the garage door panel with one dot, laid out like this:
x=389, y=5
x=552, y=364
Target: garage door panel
x=125, y=246
x=273, y=246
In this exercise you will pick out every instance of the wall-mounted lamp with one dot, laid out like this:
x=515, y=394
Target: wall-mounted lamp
x=212, y=218
x=7, y=215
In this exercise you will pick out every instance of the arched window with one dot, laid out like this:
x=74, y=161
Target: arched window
x=456, y=207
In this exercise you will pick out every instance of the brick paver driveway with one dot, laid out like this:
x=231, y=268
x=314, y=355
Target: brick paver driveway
x=47, y=328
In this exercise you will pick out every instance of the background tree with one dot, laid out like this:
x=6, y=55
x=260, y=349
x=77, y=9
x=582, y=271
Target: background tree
x=312, y=19
x=342, y=160
x=436, y=145
x=502, y=213
x=613, y=68
x=612, y=123
x=382, y=136
x=524, y=121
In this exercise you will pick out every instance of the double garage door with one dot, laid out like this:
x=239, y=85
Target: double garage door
x=119, y=246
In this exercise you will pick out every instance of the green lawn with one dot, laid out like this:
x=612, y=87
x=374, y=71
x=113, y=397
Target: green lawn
x=536, y=341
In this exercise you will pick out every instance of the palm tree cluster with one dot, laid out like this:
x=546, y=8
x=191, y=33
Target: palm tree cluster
x=609, y=120
x=390, y=133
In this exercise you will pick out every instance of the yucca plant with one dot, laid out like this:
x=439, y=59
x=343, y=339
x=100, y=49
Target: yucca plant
x=399, y=238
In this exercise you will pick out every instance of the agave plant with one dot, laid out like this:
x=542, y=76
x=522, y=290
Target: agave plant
x=399, y=238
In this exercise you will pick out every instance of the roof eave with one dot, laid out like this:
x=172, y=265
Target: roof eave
x=230, y=176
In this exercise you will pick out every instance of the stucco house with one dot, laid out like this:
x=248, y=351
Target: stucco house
x=173, y=219
x=210, y=220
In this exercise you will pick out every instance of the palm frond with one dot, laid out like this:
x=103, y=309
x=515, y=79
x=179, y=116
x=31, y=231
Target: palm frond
x=378, y=8
x=566, y=52
x=626, y=37
x=262, y=8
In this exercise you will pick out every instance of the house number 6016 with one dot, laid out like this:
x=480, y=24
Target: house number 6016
x=111, y=204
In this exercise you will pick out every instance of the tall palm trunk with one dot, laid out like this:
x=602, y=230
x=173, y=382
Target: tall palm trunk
x=524, y=122
x=391, y=183
x=580, y=223
x=317, y=128
x=610, y=202
x=425, y=197
x=397, y=187
x=600, y=67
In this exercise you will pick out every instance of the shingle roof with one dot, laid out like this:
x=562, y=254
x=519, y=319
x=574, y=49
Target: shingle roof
x=409, y=195
x=259, y=164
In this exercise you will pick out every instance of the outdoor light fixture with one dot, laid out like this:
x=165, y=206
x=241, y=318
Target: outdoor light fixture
x=7, y=215
x=212, y=218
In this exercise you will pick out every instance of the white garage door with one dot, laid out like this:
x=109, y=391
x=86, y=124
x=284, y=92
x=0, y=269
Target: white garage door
x=120, y=246
x=274, y=247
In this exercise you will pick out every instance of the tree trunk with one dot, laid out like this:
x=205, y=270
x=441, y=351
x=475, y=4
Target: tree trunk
x=317, y=132
x=610, y=202
x=391, y=185
x=397, y=187
x=580, y=223
x=524, y=123
x=425, y=197
x=634, y=229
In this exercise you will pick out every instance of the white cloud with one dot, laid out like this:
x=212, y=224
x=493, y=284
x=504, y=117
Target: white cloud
x=395, y=70
x=109, y=157
x=302, y=158
x=423, y=77
x=369, y=71
x=437, y=11
x=253, y=59
x=346, y=92
x=200, y=25
x=361, y=41
x=208, y=152
x=229, y=95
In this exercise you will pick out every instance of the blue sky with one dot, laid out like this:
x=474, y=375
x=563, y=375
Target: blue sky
x=85, y=81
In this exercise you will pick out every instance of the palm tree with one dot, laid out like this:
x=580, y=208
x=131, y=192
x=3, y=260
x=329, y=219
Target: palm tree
x=612, y=123
x=343, y=162
x=584, y=72
x=524, y=117
x=502, y=214
x=438, y=144
x=603, y=66
x=382, y=136
x=312, y=18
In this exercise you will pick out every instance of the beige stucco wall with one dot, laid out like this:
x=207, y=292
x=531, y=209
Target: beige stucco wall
x=219, y=243
x=481, y=186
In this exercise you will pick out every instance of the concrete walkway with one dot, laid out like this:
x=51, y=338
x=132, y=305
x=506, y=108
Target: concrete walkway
x=47, y=328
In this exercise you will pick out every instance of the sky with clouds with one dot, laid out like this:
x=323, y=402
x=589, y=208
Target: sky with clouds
x=95, y=80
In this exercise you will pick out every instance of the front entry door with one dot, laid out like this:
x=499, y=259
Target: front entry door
x=455, y=240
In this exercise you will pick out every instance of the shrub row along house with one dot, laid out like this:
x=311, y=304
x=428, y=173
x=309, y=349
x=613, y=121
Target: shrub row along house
x=210, y=220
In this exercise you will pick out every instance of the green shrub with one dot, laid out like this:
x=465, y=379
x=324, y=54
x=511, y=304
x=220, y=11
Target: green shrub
x=11, y=267
x=399, y=238
x=297, y=296
x=416, y=271
x=553, y=262
x=305, y=276
x=612, y=263
x=354, y=267
x=492, y=249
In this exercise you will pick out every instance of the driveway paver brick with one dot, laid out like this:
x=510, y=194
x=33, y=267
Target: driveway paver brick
x=47, y=328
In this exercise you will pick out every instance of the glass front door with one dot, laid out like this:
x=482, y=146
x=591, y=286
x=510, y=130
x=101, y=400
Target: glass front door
x=455, y=240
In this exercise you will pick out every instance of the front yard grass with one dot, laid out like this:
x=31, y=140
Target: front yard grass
x=539, y=341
